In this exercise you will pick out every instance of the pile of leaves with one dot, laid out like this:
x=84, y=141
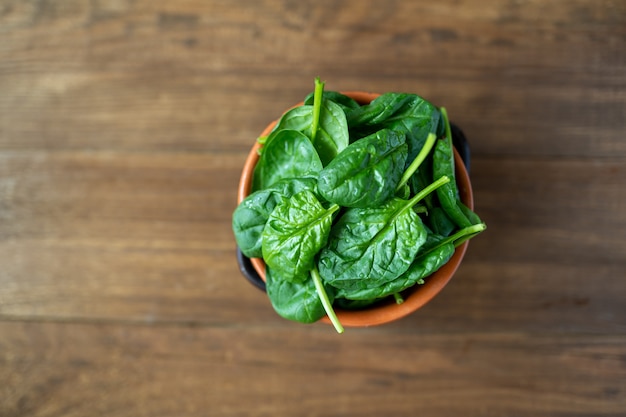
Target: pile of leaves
x=351, y=204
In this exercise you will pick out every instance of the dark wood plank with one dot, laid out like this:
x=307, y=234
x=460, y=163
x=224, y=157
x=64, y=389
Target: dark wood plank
x=57, y=369
x=123, y=128
x=147, y=238
x=114, y=236
x=207, y=76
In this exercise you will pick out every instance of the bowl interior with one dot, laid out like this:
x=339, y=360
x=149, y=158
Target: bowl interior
x=415, y=297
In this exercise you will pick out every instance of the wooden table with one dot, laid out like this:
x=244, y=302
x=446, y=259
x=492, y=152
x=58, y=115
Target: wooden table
x=124, y=126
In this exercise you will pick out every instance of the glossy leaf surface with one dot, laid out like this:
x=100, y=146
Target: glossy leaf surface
x=370, y=247
x=366, y=173
x=297, y=300
x=251, y=215
x=290, y=154
x=295, y=232
x=421, y=268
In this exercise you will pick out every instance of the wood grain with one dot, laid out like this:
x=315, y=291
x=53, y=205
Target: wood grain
x=150, y=75
x=150, y=235
x=124, y=126
x=75, y=370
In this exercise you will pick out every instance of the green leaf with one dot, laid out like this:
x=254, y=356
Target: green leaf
x=346, y=103
x=410, y=114
x=423, y=266
x=439, y=222
x=379, y=110
x=366, y=173
x=250, y=216
x=448, y=195
x=370, y=247
x=332, y=134
x=289, y=154
x=297, y=300
x=295, y=232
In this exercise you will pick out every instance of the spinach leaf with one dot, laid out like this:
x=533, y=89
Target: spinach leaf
x=366, y=173
x=408, y=114
x=346, y=304
x=295, y=232
x=443, y=164
x=295, y=300
x=379, y=110
x=439, y=221
x=250, y=216
x=324, y=123
x=299, y=118
x=370, y=247
x=423, y=266
x=332, y=135
x=372, y=164
x=346, y=103
x=289, y=154
x=417, y=120
x=434, y=240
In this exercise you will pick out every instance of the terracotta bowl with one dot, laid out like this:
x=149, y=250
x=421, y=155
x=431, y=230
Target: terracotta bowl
x=415, y=297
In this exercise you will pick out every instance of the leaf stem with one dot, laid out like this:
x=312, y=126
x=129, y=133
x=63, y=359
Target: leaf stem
x=321, y=292
x=463, y=235
x=419, y=196
x=317, y=105
x=428, y=189
x=398, y=297
x=470, y=232
x=421, y=156
x=444, y=114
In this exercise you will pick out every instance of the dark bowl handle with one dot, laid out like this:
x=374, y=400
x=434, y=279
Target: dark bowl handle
x=245, y=265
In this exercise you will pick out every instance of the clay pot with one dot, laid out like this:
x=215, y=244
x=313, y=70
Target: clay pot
x=415, y=297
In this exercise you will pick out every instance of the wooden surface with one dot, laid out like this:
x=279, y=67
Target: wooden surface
x=123, y=128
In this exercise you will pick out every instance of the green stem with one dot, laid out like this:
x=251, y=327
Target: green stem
x=463, y=235
x=427, y=190
x=419, y=196
x=317, y=105
x=321, y=292
x=479, y=228
x=421, y=156
x=444, y=114
x=398, y=298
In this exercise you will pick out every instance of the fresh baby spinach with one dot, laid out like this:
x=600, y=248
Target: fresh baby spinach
x=296, y=230
x=420, y=268
x=370, y=247
x=251, y=215
x=290, y=154
x=294, y=300
x=346, y=103
x=367, y=172
x=352, y=203
x=323, y=122
x=443, y=164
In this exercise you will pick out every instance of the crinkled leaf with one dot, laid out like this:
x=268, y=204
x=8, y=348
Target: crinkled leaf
x=295, y=232
x=366, y=173
x=250, y=216
x=370, y=247
x=379, y=110
x=423, y=266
